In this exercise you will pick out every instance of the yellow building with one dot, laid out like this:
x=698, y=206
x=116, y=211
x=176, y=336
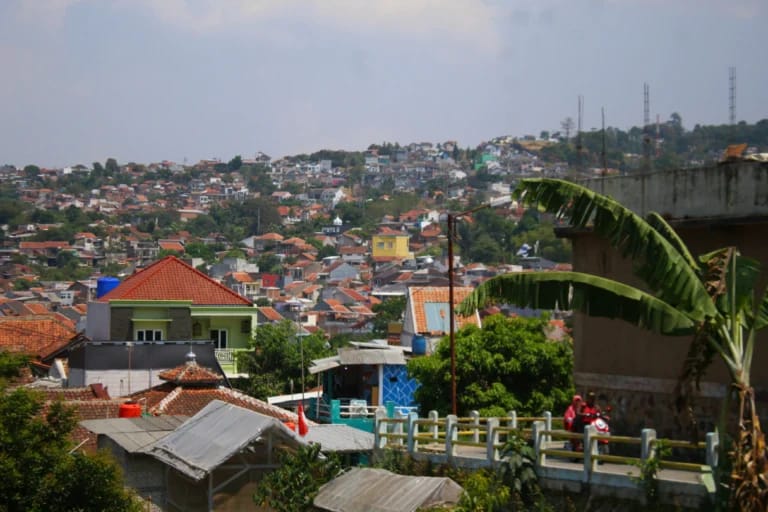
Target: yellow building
x=389, y=244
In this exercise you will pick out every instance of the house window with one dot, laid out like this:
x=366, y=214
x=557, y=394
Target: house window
x=390, y=245
x=380, y=245
x=219, y=337
x=245, y=326
x=149, y=335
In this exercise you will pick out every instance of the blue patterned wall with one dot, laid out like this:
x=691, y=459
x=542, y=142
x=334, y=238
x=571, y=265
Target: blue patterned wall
x=398, y=387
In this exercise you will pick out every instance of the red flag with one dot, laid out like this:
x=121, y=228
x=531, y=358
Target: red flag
x=303, y=428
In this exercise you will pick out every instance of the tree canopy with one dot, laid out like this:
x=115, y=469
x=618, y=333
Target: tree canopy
x=508, y=364
x=274, y=365
x=40, y=473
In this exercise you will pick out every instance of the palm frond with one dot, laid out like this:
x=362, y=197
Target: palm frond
x=593, y=295
x=662, y=267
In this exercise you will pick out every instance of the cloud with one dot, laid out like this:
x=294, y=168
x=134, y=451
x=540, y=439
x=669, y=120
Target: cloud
x=466, y=21
x=49, y=14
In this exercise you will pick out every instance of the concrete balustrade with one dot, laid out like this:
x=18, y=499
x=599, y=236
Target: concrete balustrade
x=474, y=442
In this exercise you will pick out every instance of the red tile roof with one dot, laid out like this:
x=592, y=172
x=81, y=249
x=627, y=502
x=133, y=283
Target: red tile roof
x=385, y=231
x=170, y=399
x=37, y=335
x=172, y=279
x=190, y=374
x=271, y=314
x=171, y=245
x=242, y=277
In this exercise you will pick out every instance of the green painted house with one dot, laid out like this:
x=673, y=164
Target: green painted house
x=170, y=301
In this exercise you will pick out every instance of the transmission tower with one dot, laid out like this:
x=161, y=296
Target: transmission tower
x=646, y=127
x=602, y=152
x=732, y=95
x=579, y=147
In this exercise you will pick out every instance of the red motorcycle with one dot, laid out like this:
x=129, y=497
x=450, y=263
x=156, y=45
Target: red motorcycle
x=600, y=421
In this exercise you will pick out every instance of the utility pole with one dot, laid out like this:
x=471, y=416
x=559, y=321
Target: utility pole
x=452, y=217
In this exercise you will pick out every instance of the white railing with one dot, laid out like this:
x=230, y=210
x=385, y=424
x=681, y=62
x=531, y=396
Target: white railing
x=225, y=355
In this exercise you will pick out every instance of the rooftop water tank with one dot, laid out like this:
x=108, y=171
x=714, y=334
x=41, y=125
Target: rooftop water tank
x=130, y=409
x=419, y=345
x=104, y=285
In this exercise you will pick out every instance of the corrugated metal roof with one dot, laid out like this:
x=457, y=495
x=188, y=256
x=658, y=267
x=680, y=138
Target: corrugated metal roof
x=138, y=442
x=324, y=364
x=340, y=438
x=213, y=435
x=141, y=424
x=371, y=356
x=379, y=490
x=135, y=435
x=437, y=316
x=354, y=356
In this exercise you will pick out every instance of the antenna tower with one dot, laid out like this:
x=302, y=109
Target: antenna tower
x=603, y=155
x=658, y=136
x=578, y=132
x=732, y=95
x=646, y=127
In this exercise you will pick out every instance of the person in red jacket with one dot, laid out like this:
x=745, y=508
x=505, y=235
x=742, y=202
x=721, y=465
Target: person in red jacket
x=570, y=413
x=589, y=409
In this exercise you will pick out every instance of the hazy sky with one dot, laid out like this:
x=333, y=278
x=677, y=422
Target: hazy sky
x=148, y=80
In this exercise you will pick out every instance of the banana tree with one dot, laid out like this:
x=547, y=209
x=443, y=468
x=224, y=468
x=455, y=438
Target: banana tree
x=710, y=299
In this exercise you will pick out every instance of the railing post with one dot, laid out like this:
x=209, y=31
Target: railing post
x=434, y=428
x=536, y=430
x=492, y=439
x=713, y=442
x=475, y=426
x=512, y=422
x=335, y=411
x=647, y=444
x=548, y=424
x=380, y=430
x=413, y=431
x=399, y=429
x=590, y=449
x=451, y=435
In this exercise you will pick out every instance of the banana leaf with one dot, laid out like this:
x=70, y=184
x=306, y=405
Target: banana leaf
x=593, y=295
x=669, y=273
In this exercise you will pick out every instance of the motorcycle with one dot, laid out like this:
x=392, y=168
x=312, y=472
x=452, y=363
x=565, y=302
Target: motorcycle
x=600, y=421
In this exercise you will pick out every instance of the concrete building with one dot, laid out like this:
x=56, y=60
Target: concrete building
x=630, y=368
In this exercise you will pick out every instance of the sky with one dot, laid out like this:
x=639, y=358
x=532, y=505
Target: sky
x=183, y=80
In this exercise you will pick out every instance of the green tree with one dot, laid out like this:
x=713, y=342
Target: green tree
x=387, y=311
x=294, y=484
x=712, y=300
x=40, y=473
x=235, y=164
x=275, y=364
x=507, y=365
x=11, y=364
x=32, y=172
x=111, y=168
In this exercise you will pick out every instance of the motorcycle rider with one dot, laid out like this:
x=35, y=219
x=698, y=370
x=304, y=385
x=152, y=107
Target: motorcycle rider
x=571, y=412
x=586, y=413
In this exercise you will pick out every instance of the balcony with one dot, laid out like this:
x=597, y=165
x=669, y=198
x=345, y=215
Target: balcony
x=227, y=358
